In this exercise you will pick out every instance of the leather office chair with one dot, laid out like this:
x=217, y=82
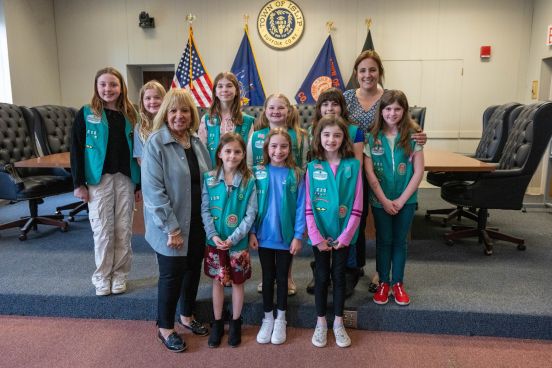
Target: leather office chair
x=496, y=122
x=22, y=184
x=418, y=114
x=505, y=187
x=52, y=129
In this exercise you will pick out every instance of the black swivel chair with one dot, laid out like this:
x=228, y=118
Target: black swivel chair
x=418, y=114
x=496, y=122
x=53, y=135
x=26, y=184
x=505, y=187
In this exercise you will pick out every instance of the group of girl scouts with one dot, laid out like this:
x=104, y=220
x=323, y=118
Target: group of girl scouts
x=265, y=186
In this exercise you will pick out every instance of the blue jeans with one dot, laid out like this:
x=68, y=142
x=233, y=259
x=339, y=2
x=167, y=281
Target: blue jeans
x=391, y=244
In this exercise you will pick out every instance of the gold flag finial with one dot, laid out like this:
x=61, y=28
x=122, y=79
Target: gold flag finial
x=330, y=26
x=190, y=18
x=245, y=22
x=368, y=23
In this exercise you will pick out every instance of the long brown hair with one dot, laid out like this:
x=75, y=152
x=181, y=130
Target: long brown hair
x=146, y=118
x=242, y=167
x=333, y=95
x=292, y=119
x=346, y=149
x=370, y=54
x=235, y=109
x=123, y=104
x=406, y=126
x=290, y=160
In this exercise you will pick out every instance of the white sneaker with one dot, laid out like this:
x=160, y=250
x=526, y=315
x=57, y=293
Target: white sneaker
x=260, y=287
x=320, y=336
x=118, y=287
x=263, y=337
x=279, y=332
x=103, y=290
x=341, y=338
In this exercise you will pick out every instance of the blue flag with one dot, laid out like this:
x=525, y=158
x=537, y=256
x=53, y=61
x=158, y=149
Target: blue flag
x=245, y=69
x=323, y=75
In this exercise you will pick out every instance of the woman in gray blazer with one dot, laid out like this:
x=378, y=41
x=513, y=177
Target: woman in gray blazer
x=173, y=163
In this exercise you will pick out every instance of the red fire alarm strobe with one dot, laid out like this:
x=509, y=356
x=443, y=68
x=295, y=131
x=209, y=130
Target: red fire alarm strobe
x=485, y=52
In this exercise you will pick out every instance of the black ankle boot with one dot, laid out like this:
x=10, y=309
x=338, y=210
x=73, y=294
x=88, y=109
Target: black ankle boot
x=217, y=331
x=310, y=286
x=234, y=332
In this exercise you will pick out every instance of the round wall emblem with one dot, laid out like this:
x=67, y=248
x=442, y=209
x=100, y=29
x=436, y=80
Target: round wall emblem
x=280, y=24
x=319, y=85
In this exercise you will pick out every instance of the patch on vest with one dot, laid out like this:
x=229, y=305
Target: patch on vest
x=320, y=175
x=343, y=211
x=232, y=220
x=377, y=150
x=320, y=209
x=401, y=170
x=261, y=174
x=259, y=143
x=211, y=181
x=210, y=122
x=93, y=119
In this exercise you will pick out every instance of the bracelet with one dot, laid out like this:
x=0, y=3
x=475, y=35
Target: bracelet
x=175, y=233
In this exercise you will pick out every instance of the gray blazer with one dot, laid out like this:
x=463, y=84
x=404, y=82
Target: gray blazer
x=166, y=189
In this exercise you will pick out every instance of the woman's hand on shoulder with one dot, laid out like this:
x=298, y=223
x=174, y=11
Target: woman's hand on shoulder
x=420, y=138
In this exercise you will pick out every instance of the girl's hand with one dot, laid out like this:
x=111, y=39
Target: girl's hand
x=323, y=246
x=341, y=245
x=420, y=138
x=219, y=243
x=138, y=196
x=175, y=241
x=295, y=246
x=81, y=193
x=389, y=208
x=397, y=204
x=253, y=242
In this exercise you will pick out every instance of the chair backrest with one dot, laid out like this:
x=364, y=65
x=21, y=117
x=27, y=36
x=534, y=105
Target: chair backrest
x=15, y=141
x=418, y=113
x=528, y=139
x=487, y=114
x=495, y=132
x=52, y=128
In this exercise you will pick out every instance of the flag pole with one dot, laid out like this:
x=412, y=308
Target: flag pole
x=330, y=26
x=245, y=23
x=368, y=22
x=190, y=18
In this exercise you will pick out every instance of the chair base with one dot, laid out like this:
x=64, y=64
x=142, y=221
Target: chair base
x=452, y=213
x=484, y=234
x=75, y=208
x=27, y=223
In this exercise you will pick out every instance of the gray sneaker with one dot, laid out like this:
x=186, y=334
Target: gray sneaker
x=320, y=336
x=341, y=338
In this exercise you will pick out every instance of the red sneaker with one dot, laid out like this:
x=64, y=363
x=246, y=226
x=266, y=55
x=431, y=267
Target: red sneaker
x=382, y=294
x=401, y=297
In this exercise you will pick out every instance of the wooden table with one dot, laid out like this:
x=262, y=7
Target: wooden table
x=441, y=160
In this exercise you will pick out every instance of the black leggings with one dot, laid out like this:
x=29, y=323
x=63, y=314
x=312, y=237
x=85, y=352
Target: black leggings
x=275, y=266
x=178, y=279
x=333, y=262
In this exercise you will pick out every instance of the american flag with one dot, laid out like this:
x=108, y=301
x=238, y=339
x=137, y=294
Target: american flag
x=193, y=76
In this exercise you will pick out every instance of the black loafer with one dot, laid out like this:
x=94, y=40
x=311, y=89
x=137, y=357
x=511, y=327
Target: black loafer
x=196, y=327
x=173, y=343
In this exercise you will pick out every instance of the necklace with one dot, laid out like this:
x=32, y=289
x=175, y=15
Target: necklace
x=184, y=142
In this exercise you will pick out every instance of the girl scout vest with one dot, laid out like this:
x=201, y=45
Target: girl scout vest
x=97, y=131
x=289, y=200
x=213, y=132
x=393, y=168
x=257, y=143
x=332, y=197
x=227, y=209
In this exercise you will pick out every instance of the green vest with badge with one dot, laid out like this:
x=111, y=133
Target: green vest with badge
x=213, y=132
x=227, y=209
x=289, y=200
x=97, y=131
x=332, y=196
x=392, y=167
x=257, y=143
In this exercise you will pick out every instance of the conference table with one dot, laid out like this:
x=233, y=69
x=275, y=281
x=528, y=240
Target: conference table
x=435, y=160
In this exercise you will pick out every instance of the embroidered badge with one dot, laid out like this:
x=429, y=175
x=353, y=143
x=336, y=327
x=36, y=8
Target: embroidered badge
x=93, y=119
x=401, y=170
x=232, y=220
x=261, y=174
x=343, y=211
x=320, y=175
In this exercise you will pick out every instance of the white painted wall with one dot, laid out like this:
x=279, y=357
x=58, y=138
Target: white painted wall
x=32, y=45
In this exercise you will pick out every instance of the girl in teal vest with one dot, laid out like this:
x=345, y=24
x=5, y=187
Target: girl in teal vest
x=105, y=174
x=224, y=114
x=332, y=102
x=228, y=209
x=394, y=165
x=333, y=209
x=278, y=113
x=279, y=228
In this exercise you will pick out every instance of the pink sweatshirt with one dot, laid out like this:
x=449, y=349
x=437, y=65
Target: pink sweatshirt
x=354, y=220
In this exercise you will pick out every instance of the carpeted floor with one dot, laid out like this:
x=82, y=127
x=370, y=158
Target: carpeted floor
x=455, y=290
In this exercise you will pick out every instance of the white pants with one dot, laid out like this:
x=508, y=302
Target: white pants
x=111, y=207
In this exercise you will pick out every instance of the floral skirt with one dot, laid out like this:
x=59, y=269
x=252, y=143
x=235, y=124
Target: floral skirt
x=227, y=265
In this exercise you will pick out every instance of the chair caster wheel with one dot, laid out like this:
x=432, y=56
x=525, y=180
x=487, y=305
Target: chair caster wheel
x=521, y=247
x=449, y=242
x=65, y=227
x=23, y=237
x=488, y=252
x=57, y=213
x=71, y=218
